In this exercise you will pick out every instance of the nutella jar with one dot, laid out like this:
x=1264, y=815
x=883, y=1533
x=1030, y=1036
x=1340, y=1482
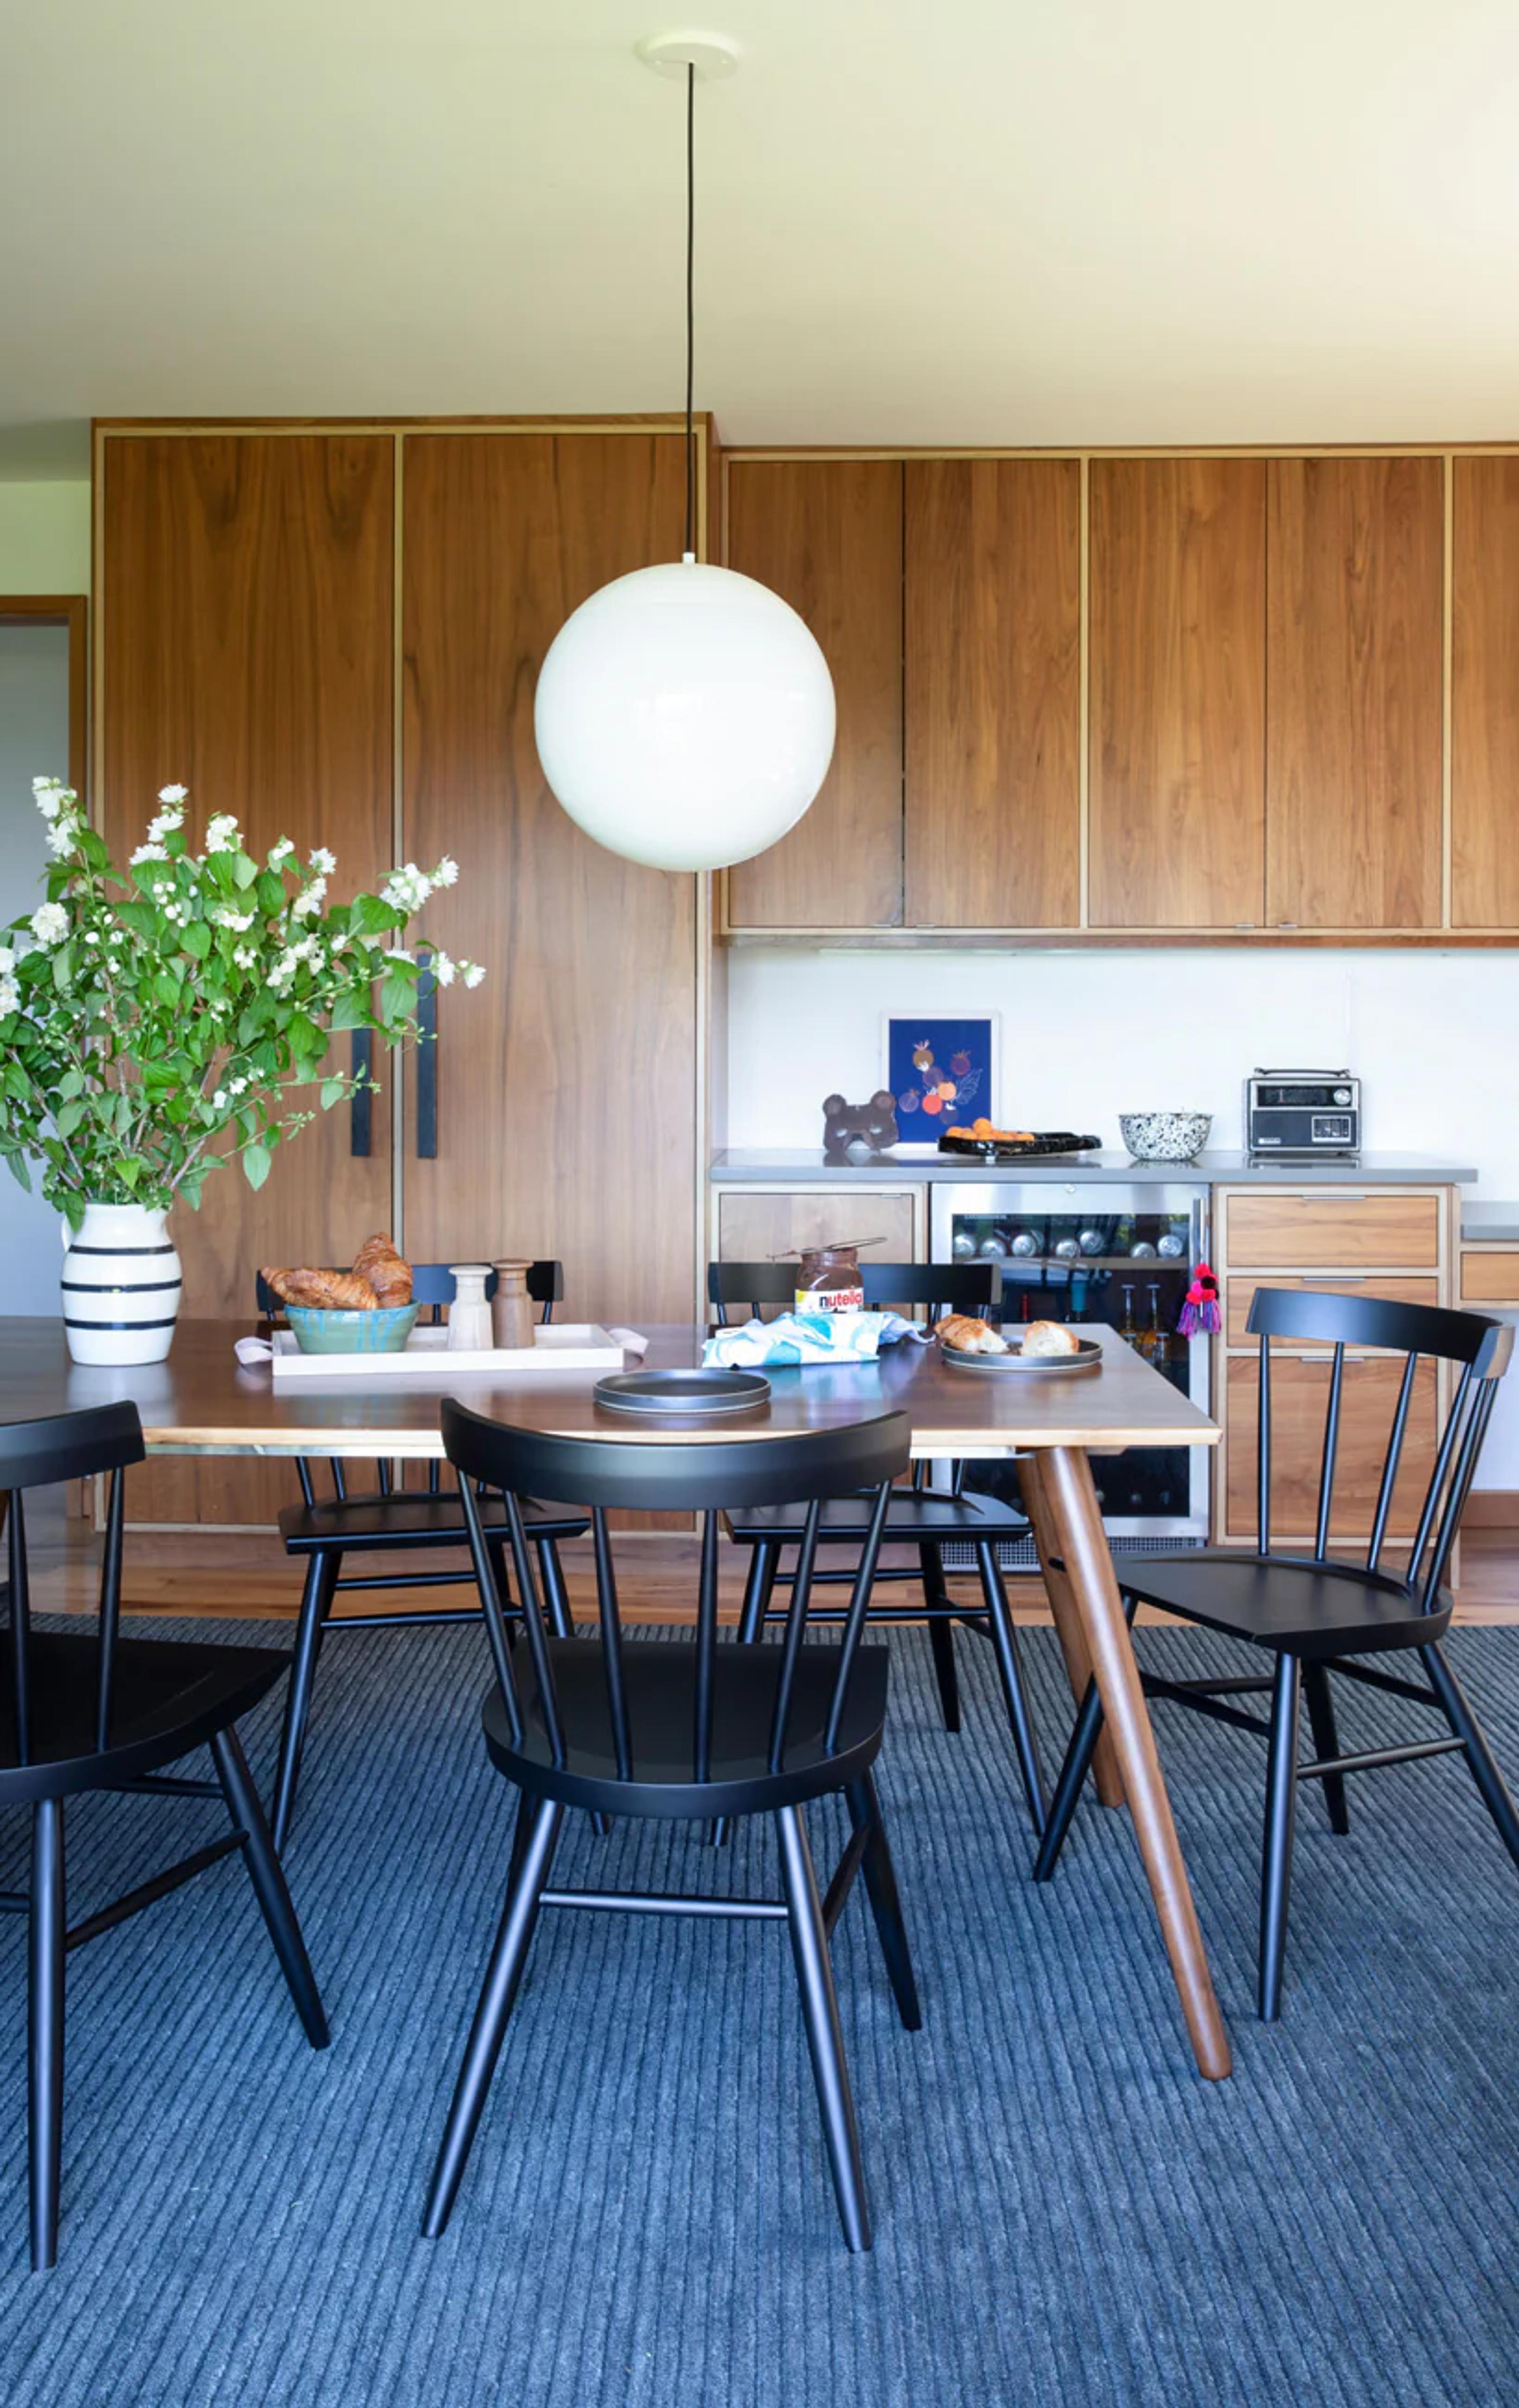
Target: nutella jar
x=828, y=1280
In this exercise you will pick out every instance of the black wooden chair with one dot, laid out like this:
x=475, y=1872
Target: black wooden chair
x=684, y=1730
x=926, y=1518
x=92, y=1711
x=390, y=1521
x=1313, y=1613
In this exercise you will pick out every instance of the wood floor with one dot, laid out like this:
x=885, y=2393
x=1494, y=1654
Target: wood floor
x=205, y=1572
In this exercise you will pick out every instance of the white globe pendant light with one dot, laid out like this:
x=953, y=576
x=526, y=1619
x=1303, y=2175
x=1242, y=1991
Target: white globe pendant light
x=684, y=714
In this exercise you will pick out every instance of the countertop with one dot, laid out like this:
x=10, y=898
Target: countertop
x=1491, y=1225
x=741, y=1166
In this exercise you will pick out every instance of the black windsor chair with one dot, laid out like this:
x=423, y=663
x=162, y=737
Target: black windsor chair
x=684, y=1730
x=926, y=1518
x=1314, y=1613
x=391, y=1521
x=96, y=1711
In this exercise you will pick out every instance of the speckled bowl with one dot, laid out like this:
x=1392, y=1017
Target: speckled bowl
x=319, y=1330
x=1165, y=1137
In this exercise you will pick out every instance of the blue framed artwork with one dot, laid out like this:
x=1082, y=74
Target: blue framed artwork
x=940, y=1072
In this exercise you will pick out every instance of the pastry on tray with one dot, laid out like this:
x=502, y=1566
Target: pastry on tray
x=325, y=1291
x=968, y=1336
x=388, y=1273
x=1050, y=1337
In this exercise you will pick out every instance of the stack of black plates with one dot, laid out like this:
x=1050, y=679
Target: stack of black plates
x=711, y=1390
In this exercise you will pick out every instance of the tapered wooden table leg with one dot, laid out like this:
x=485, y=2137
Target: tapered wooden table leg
x=1068, y=1617
x=1077, y=1535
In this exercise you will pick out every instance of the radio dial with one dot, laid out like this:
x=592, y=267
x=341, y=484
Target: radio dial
x=1341, y=1094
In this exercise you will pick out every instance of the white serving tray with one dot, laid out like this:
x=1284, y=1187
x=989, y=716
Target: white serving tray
x=426, y=1360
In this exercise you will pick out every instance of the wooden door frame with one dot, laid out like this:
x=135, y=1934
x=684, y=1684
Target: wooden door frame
x=70, y=611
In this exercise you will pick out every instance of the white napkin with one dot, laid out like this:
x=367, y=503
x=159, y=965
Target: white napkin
x=253, y=1349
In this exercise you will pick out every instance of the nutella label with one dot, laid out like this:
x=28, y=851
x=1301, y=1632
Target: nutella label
x=830, y=1299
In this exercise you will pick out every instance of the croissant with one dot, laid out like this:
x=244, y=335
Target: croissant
x=388, y=1272
x=331, y=1290
x=968, y=1336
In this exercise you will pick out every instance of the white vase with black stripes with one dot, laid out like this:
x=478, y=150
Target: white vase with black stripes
x=120, y=1285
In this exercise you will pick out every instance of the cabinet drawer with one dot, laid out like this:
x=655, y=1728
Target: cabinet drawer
x=1274, y=1228
x=1490, y=1278
x=1299, y=1396
x=1240, y=1288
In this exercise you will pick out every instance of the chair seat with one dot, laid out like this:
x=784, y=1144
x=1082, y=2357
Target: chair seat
x=913, y=1515
x=659, y=1678
x=169, y=1696
x=1291, y=1604
x=411, y=1518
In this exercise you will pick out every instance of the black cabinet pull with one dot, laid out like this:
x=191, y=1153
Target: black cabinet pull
x=426, y=1061
x=361, y=1102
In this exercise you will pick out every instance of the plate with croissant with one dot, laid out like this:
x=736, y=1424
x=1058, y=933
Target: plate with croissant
x=365, y=1310
x=1039, y=1346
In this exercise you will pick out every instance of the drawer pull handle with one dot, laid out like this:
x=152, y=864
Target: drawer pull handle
x=1345, y=1279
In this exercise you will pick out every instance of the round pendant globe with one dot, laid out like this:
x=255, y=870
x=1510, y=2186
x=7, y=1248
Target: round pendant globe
x=684, y=716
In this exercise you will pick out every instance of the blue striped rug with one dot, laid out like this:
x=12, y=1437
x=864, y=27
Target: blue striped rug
x=1064, y=2212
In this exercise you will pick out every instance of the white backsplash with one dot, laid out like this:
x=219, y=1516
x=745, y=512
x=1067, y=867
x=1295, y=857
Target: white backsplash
x=1085, y=1036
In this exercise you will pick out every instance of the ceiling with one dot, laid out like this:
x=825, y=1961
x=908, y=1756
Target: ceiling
x=1001, y=222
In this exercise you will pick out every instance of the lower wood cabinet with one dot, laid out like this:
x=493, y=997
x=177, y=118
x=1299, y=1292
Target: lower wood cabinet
x=1299, y=1398
x=752, y=1223
x=1239, y=1289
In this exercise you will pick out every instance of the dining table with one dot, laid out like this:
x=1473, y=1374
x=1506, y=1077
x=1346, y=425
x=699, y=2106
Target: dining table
x=203, y=1400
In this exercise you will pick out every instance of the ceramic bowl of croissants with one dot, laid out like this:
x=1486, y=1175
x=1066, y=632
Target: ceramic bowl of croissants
x=365, y=1311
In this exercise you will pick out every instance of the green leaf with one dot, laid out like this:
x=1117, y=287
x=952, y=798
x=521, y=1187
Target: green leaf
x=397, y=997
x=69, y=1085
x=333, y=1091
x=197, y=940
x=271, y=892
x=243, y=870
x=368, y=916
x=351, y=1010
x=168, y=989
x=63, y=967
x=69, y=1116
x=257, y=1164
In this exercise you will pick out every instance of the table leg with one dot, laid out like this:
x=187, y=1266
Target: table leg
x=1078, y=1536
x=1067, y=1616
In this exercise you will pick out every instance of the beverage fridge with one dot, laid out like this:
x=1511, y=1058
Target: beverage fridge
x=1124, y=1255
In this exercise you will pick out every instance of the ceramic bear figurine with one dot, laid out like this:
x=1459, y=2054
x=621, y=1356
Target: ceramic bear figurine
x=858, y=1132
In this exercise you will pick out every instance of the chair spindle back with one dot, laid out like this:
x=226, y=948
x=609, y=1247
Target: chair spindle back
x=104, y=1439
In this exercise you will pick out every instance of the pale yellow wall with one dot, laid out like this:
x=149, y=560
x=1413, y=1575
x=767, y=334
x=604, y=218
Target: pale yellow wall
x=45, y=537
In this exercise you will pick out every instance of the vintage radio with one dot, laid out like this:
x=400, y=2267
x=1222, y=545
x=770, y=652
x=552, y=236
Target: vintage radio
x=1303, y=1113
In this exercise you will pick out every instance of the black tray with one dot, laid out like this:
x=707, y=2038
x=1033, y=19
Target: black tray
x=711, y=1389
x=1046, y=1145
x=1087, y=1358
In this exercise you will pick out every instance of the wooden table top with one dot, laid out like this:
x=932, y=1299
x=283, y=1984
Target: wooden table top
x=203, y=1401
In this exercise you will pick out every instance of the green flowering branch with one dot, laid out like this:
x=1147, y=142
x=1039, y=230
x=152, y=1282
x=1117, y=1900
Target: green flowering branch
x=158, y=1022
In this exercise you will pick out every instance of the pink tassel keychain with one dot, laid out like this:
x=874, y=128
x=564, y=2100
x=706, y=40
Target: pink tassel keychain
x=1199, y=1312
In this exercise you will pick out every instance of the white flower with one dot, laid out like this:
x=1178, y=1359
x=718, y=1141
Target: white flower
x=244, y=956
x=147, y=852
x=324, y=861
x=172, y=794
x=279, y=854
x=473, y=972
x=222, y=834
x=283, y=971
x=63, y=833
x=447, y=872
x=116, y=938
x=219, y=1102
x=237, y=1086
x=443, y=967
x=310, y=899
x=164, y=824
x=50, y=795
x=50, y=924
x=10, y=995
x=92, y=937
x=399, y=953
x=408, y=889
x=225, y=917
x=8, y=961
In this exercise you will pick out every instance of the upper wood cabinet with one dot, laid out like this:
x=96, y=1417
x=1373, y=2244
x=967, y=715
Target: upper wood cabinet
x=1354, y=680
x=993, y=693
x=1178, y=693
x=827, y=535
x=1484, y=694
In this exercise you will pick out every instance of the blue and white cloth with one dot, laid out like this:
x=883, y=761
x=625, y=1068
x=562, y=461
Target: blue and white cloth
x=809, y=1338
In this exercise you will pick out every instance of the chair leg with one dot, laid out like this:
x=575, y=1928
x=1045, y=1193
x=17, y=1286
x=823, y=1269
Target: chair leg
x=825, y=2039
x=880, y=1875
x=940, y=1635
x=1085, y=1736
x=1014, y=1695
x=498, y=1993
x=46, y=2030
x=316, y=1604
x=1281, y=1814
x=1464, y=1723
x=1321, y=1722
x=268, y=1880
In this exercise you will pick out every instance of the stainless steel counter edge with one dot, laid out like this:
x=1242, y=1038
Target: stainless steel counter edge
x=748, y=1167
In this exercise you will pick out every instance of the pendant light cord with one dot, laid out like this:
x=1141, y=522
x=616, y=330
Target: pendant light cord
x=691, y=309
